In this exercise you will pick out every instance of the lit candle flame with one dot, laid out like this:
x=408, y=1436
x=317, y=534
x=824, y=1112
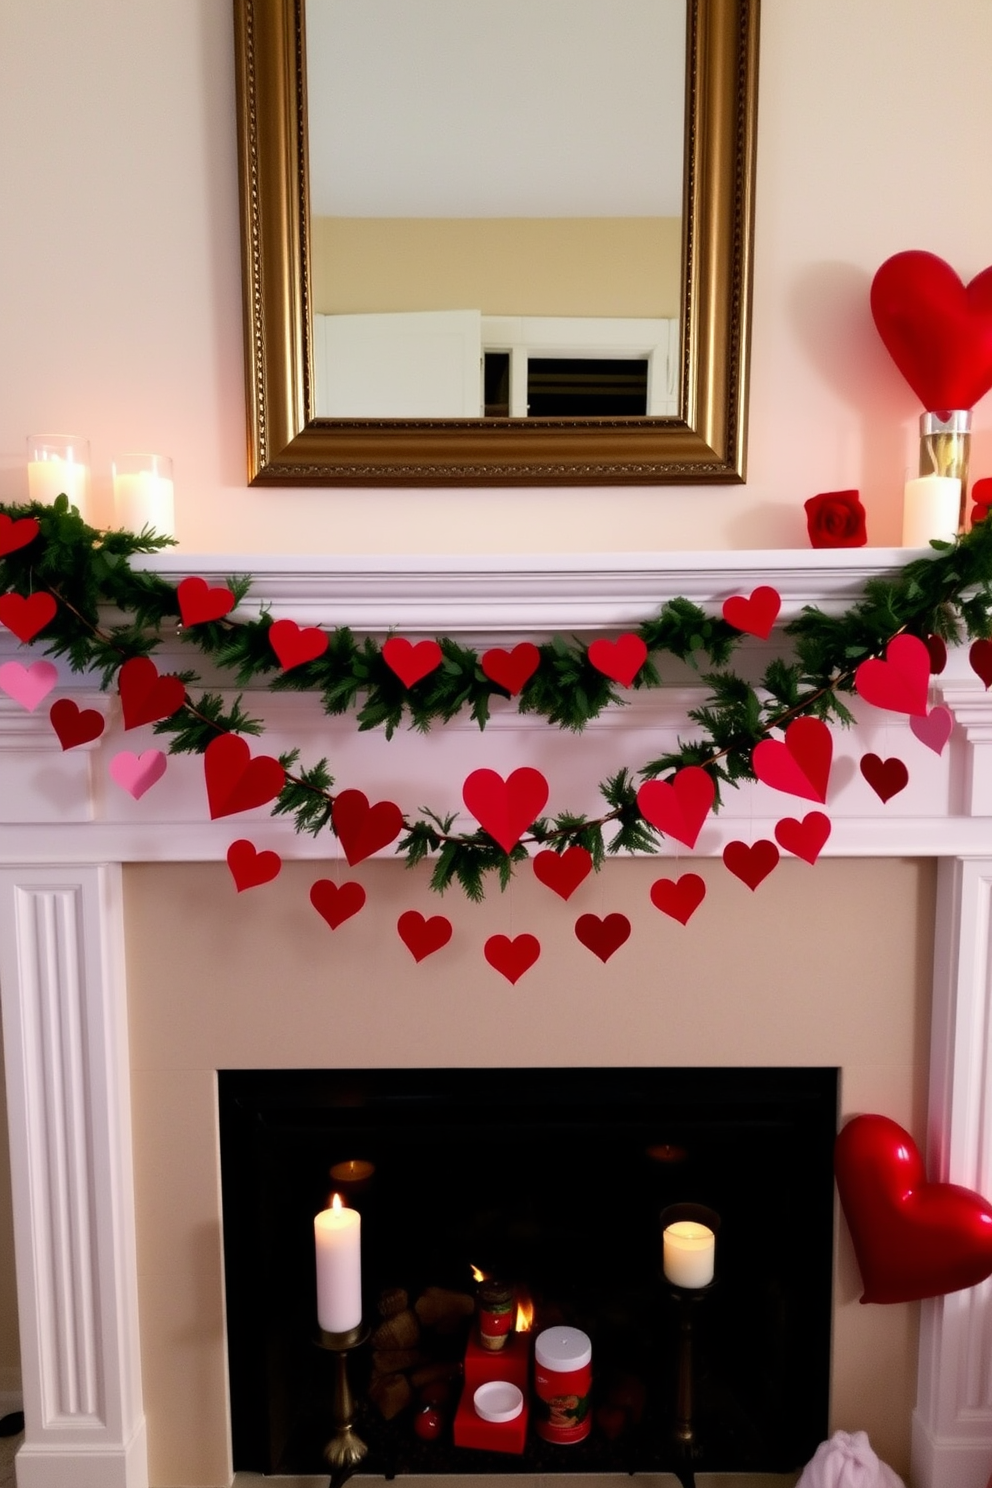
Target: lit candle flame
x=477, y=1275
x=525, y=1315
x=336, y=1201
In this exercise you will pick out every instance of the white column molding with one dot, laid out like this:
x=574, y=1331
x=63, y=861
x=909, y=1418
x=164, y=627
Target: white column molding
x=972, y=709
x=65, y=1045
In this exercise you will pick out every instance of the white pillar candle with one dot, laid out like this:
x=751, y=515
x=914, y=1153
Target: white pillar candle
x=931, y=508
x=338, y=1240
x=143, y=493
x=58, y=465
x=689, y=1250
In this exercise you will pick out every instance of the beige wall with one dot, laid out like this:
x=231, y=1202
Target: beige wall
x=822, y=966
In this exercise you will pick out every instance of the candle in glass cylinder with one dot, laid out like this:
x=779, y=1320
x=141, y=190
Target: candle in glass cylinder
x=338, y=1242
x=931, y=508
x=58, y=465
x=143, y=493
x=689, y=1251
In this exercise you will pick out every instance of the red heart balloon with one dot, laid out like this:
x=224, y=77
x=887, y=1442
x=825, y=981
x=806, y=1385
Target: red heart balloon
x=26, y=615
x=678, y=807
x=900, y=683
x=511, y=669
x=14, y=535
x=602, y=937
x=362, y=829
x=294, y=646
x=249, y=867
x=621, y=659
x=980, y=657
x=753, y=864
x=235, y=781
x=145, y=696
x=799, y=764
x=886, y=777
x=563, y=872
x=755, y=615
x=505, y=808
x=912, y=1238
x=679, y=897
x=511, y=958
x=75, y=725
x=934, y=729
x=411, y=662
x=199, y=603
x=806, y=838
x=336, y=903
x=420, y=936
x=936, y=330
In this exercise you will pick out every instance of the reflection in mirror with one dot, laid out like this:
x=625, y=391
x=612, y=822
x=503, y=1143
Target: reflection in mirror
x=520, y=164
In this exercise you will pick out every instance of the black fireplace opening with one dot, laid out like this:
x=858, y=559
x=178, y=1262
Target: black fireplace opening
x=555, y=1181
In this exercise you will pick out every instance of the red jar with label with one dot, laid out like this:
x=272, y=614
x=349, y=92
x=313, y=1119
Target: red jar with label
x=497, y=1314
x=563, y=1385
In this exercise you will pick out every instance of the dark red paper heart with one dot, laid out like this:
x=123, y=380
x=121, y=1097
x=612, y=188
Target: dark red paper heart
x=235, y=781
x=751, y=864
x=755, y=615
x=363, y=829
x=294, y=645
x=75, y=725
x=602, y=936
x=511, y=669
x=937, y=651
x=678, y=807
x=199, y=603
x=26, y=615
x=806, y=838
x=800, y=763
x=145, y=696
x=563, y=872
x=336, y=903
x=249, y=867
x=505, y=808
x=411, y=662
x=621, y=659
x=423, y=937
x=511, y=958
x=980, y=658
x=679, y=897
x=900, y=683
x=16, y=534
x=886, y=777
x=937, y=330
x=912, y=1238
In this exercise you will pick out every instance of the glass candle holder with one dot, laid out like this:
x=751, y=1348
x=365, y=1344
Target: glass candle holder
x=945, y=445
x=143, y=493
x=59, y=465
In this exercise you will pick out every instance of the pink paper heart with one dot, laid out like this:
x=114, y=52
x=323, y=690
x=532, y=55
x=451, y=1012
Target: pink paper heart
x=935, y=729
x=137, y=773
x=28, y=685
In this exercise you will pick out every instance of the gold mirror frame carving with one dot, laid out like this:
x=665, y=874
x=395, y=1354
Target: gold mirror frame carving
x=706, y=445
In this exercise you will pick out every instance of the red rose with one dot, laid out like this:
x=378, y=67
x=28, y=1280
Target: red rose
x=981, y=494
x=836, y=519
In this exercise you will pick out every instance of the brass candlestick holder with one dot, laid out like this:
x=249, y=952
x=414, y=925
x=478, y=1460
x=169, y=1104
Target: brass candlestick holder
x=684, y=1432
x=345, y=1450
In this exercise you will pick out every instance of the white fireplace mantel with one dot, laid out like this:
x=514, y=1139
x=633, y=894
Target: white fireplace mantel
x=65, y=830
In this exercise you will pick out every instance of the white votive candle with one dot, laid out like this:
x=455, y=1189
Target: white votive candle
x=143, y=493
x=338, y=1241
x=58, y=465
x=689, y=1250
x=931, y=508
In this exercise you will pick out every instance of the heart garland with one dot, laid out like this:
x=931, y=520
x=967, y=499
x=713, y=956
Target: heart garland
x=17, y=533
x=236, y=782
x=602, y=936
x=805, y=839
x=886, y=777
x=422, y=937
x=293, y=645
x=511, y=958
x=980, y=659
x=137, y=773
x=678, y=807
x=27, y=615
x=511, y=669
x=934, y=729
x=756, y=614
x=28, y=685
x=336, y=903
x=249, y=867
x=410, y=662
x=751, y=864
x=145, y=696
x=505, y=808
x=800, y=763
x=75, y=725
x=620, y=660
x=363, y=829
x=562, y=872
x=680, y=897
x=198, y=603
x=900, y=683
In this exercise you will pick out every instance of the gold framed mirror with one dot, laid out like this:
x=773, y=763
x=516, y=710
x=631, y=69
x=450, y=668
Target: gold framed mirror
x=704, y=443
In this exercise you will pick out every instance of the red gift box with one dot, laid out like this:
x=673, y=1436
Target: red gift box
x=512, y=1362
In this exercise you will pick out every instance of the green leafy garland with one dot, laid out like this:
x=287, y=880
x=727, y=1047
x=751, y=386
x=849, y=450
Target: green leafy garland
x=88, y=571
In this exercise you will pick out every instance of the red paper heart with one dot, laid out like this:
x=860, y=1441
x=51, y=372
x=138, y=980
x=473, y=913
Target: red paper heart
x=249, y=867
x=362, y=829
x=563, y=872
x=935, y=729
x=294, y=646
x=901, y=682
x=936, y=330
x=75, y=725
x=678, y=807
x=14, y=535
x=199, y=603
x=806, y=838
x=336, y=902
x=145, y=696
x=937, y=651
x=621, y=659
x=235, y=781
x=602, y=937
x=26, y=615
x=755, y=615
x=799, y=764
x=511, y=958
x=511, y=669
x=411, y=662
x=751, y=864
x=912, y=1238
x=679, y=897
x=505, y=808
x=886, y=777
x=420, y=936
x=980, y=657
